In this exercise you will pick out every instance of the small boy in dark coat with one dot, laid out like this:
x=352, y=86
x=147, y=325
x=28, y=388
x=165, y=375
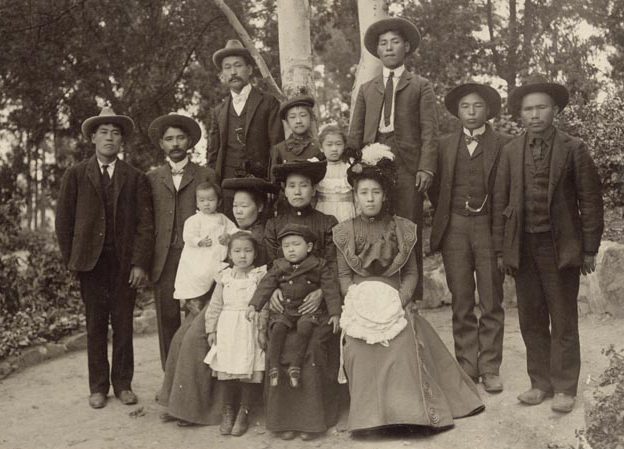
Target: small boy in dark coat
x=297, y=274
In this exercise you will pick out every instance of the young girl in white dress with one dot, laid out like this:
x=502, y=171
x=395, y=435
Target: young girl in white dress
x=237, y=346
x=334, y=195
x=205, y=235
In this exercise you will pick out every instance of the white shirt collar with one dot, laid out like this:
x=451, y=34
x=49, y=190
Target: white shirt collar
x=397, y=72
x=111, y=165
x=243, y=95
x=178, y=165
x=475, y=132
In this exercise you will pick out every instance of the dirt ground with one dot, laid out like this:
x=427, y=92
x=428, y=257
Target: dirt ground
x=46, y=406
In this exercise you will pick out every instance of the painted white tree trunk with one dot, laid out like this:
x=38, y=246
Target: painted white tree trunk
x=295, y=47
x=369, y=11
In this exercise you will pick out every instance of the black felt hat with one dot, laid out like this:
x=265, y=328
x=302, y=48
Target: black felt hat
x=299, y=100
x=233, y=47
x=407, y=29
x=158, y=126
x=538, y=83
x=315, y=170
x=489, y=95
x=250, y=183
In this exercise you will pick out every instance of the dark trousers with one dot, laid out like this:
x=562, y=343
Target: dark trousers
x=277, y=339
x=167, y=308
x=547, y=308
x=108, y=298
x=466, y=249
x=407, y=203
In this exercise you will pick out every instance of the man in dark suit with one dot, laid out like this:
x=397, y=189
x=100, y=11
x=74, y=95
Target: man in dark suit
x=547, y=226
x=467, y=162
x=173, y=195
x=104, y=226
x=397, y=108
x=245, y=125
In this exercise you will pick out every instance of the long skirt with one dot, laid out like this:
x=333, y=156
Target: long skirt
x=413, y=381
x=314, y=406
x=189, y=390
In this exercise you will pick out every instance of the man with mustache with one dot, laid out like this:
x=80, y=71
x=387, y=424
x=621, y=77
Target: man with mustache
x=173, y=196
x=245, y=125
x=547, y=226
x=397, y=108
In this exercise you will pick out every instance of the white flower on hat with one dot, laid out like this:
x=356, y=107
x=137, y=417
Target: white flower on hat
x=375, y=152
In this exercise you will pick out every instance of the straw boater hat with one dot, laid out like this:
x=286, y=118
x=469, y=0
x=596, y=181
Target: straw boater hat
x=407, y=29
x=250, y=183
x=160, y=124
x=108, y=116
x=299, y=100
x=313, y=169
x=489, y=95
x=233, y=47
x=538, y=83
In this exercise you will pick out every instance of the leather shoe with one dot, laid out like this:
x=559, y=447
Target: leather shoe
x=97, y=400
x=308, y=436
x=127, y=397
x=492, y=383
x=288, y=435
x=227, y=420
x=534, y=396
x=241, y=424
x=563, y=403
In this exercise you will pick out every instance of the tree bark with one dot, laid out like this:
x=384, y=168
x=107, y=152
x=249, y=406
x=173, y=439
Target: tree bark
x=249, y=45
x=369, y=11
x=295, y=47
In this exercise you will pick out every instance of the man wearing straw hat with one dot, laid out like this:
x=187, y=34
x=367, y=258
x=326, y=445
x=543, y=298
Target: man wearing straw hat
x=245, y=125
x=461, y=229
x=397, y=108
x=173, y=195
x=547, y=225
x=104, y=225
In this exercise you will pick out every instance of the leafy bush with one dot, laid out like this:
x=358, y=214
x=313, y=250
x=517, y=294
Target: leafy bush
x=39, y=299
x=607, y=417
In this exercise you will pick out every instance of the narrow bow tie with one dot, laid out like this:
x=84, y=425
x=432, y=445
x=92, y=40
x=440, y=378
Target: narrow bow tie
x=470, y=139
x=177, y=171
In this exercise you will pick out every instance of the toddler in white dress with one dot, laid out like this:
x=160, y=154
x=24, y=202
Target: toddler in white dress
x=237, y=345
x=334, y=195
x=205, y=238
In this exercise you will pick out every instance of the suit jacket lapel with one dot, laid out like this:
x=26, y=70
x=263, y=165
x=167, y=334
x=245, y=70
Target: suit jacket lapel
x=94, y=175
x=557, y=163
x=404, y=80
x=376, y=102
x=451, y=157
x=119, y=178
x=491, y=148
x=222, y=119
x=187, y=176
x=166, y=178
x=252, y=104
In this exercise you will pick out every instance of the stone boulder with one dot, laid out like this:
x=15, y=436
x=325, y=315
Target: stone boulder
x=603, y=290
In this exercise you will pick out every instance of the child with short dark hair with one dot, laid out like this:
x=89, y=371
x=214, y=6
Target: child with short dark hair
x=205, y=238
x=296, y=274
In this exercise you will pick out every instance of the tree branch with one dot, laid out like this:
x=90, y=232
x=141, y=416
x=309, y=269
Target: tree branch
x=248, y=43
x=490, y=24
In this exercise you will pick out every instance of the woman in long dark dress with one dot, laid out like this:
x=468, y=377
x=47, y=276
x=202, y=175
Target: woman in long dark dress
x=399, y=371
x=313, y=407
x=189, y=391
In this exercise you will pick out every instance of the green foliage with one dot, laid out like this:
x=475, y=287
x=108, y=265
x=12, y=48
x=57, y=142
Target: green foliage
x=607, y=417
x=601, y=127
x=39, y=299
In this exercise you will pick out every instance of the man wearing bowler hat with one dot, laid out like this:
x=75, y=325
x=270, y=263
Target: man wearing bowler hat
x=461, y=229
x=104, y=226
x=547, y=226
x=173, y=195
x=245, y=125
x=397, y=108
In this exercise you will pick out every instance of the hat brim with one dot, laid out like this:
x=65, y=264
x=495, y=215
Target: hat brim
x=123, y=121
x=249, y=184
x=557, y=92
x=489, y=95
x=220, y=55
x=313, y=170
x=161, y=123
x=407, y=29
x=299, y=101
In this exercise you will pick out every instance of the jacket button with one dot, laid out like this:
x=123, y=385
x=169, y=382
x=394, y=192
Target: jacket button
x=288, y=301
x=290, y=282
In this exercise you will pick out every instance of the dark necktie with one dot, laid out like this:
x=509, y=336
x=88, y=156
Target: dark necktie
x=105, y=176
x=470, y=139
x=537, y=146
x=388, y=94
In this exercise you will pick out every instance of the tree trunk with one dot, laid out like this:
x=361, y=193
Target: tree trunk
x=369, y=11
x=295, y=47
